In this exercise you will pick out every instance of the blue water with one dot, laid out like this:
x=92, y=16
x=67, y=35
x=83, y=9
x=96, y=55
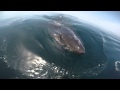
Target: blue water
x=28, y=51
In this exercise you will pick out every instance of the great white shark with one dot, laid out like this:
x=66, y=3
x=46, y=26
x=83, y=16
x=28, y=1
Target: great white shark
x=66, y=37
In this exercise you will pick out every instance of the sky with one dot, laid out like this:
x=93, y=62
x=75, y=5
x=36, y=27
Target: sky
x=108, y=20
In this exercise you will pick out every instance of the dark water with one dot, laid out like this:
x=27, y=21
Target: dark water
x=28, y=51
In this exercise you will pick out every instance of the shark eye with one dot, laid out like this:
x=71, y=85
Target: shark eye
x=61, y=38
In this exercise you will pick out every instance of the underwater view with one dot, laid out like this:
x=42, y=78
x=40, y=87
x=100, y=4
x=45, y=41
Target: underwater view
x=57, y=45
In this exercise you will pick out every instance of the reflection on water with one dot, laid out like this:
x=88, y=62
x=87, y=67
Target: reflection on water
x=34, y=66
x=26, y=46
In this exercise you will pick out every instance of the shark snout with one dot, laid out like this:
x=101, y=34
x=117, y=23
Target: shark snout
x=79, y=50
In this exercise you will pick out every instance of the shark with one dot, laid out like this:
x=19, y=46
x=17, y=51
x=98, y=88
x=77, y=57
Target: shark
x=66, y=38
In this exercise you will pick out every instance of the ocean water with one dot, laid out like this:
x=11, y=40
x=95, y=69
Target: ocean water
x=28, y=51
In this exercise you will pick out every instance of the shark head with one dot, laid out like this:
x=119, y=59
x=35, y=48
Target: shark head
x=71, y=43
x=66, y=38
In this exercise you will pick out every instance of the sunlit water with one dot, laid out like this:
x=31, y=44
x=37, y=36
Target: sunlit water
x=28, y=51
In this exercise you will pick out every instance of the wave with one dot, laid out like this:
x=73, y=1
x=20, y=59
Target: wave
x=30, y=49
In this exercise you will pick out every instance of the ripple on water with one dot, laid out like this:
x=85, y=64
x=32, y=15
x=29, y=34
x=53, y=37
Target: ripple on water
x=36, y=55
